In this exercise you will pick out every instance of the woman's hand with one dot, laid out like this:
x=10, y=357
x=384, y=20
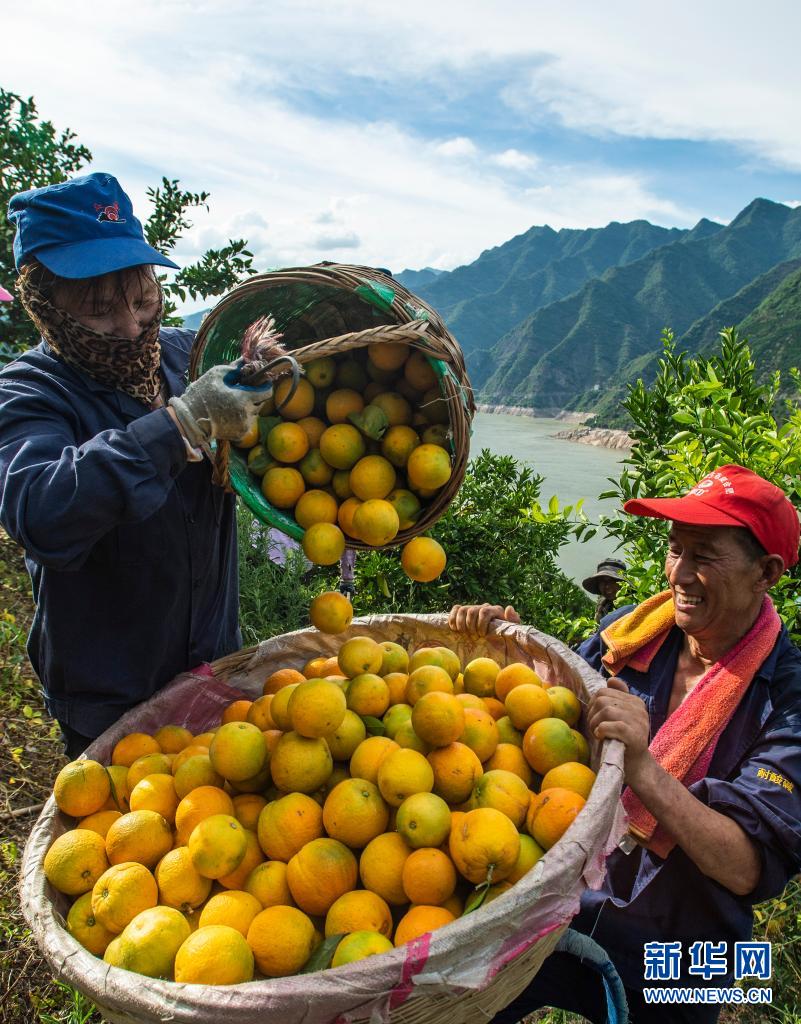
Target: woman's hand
x=475, y=619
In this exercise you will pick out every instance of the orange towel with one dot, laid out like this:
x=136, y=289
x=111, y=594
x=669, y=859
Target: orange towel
x=686, y=742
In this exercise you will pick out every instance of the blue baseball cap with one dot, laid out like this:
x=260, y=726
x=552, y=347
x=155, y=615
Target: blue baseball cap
x=80, y=228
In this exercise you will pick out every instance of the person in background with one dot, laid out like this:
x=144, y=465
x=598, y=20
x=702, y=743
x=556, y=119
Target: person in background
x=130, y=548
x=605, y=583
x=5, y=296
x=704, y=691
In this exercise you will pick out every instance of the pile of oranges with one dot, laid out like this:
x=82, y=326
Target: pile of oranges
x=367, y=800
x=356, y=452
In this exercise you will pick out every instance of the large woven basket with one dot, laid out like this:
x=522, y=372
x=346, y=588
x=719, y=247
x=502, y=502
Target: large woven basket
x=461, y=974
x=327, y=310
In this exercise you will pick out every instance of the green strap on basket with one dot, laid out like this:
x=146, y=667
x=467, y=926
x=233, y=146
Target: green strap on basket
x=379, y=295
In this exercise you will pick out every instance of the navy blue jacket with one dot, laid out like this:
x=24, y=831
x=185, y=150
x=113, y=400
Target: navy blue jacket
x=130, y=548
x=754, y=778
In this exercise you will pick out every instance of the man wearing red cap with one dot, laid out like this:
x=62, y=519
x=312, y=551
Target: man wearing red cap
x=704, y=691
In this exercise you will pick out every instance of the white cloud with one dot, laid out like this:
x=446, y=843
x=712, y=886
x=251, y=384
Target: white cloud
x=793, y=203
x=344, y=240
x=514, y=160
x=458, y=147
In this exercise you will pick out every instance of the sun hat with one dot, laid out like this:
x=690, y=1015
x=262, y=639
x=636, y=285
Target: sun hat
x=5, y=296
x=609, y=569
x=80, y=228
x=732, y=496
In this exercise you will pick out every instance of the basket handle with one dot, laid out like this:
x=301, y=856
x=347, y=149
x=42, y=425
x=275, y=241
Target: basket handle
x=413, y=334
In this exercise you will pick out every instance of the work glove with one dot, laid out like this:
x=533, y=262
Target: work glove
x=217, y=405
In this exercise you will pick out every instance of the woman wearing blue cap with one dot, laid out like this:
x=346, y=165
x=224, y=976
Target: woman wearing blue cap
x=130, y=547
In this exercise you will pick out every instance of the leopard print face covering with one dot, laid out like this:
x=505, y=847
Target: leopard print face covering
x=130, y=365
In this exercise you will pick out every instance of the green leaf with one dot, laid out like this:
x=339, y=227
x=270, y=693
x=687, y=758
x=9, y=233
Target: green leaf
x=476, y=898
x=683, y=417
x=323, y=955
x=374, y=726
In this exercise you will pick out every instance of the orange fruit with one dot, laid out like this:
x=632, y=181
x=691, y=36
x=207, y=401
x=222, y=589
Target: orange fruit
x=216, y=954
x=173, y=738
x=282, y=939
x=507, y=732
x=267, y=882
x=513, y=675
x=438, y=718
x=84, y=927
x=99, y=822
x=121, y=893
x=423, y=819
x=480, y=675
x=368, y=694
x=316, y=708
x=504, y=791
x=359, y=910
x=347, y=736
x=132, y=746
x=419, y=920
x=180, y=885
x=238, y=751
x=354, y=813
x=372, y=477
x=406, y=504
x=565, y=704
x=314, y=427
x=323, y=543
x=495, y=707
x=233, y=908
x=396, y=683
x=237, y=878
x=434, y=406
x=347, y=511
x=279, y=707
x=484, y=839
x=193, y=750
x=395, y=408
x=203, y=740
x=527, y=703
x=299, y=405
x=282, y=486
x=300, y=764
x=440, y=657
x=287, y=824
x=143, y=836
x=403, y=773
x=315, y=507
x=237, y=711
x=283, y=677
x=155, y=793
x=398, y=443
x=341, y=403
x=217, y=845
x=118, y=777
x=429, y=877
x=480, y=733
x=260, y=460
x=360, y=945
x=256, y=783
x=259, y=713
x=551, y=814
x=530, y=853
x=359, y=654
x=331, y=612
x=368, y=757
x=549, y=743
x=469, y=700
x=419, y=373
x=427, y=679
x=571, y=775
x=319, y=873
x=247, y=808
x=314, y=469
x=509, y=758
x=342, y=446
x=456, y=769
x=437, y=433
x=287, y=442
x=198, y=804
x=375, y=522
x=321, y=372
x=75, y=861
x=388, y=355
x=250, y=437
x=340, y=482
x=423, y=559
x=582, y=747
x=406, y=737
x=428, y=466
x=381, y=867
x=81, y=788
x=149, y=944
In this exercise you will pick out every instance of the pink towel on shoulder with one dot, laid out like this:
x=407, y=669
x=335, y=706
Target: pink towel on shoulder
x=686, y=742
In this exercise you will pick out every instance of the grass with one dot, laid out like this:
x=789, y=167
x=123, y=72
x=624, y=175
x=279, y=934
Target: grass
x=30, y=756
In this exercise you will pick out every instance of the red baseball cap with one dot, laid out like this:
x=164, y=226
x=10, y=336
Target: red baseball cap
x=5, y=296
x=732, y=496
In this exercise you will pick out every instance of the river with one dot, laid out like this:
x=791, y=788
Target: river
x=571, y=471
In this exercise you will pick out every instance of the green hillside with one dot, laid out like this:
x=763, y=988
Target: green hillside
x=773, y=329
x=568, y=353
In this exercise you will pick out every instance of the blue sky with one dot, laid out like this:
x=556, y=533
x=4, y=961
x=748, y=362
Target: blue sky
x=425, y=133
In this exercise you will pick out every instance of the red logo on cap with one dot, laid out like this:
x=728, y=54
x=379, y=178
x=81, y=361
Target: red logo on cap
x=110, y=213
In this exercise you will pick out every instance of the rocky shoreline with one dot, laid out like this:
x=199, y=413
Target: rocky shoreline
x=598, y=437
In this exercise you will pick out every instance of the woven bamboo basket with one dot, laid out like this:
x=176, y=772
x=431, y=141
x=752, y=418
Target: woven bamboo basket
x=327, y=310
x=462, y=974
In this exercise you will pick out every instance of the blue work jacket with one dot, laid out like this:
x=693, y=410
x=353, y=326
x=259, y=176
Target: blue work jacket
x=130, y=548
x=754, y=778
